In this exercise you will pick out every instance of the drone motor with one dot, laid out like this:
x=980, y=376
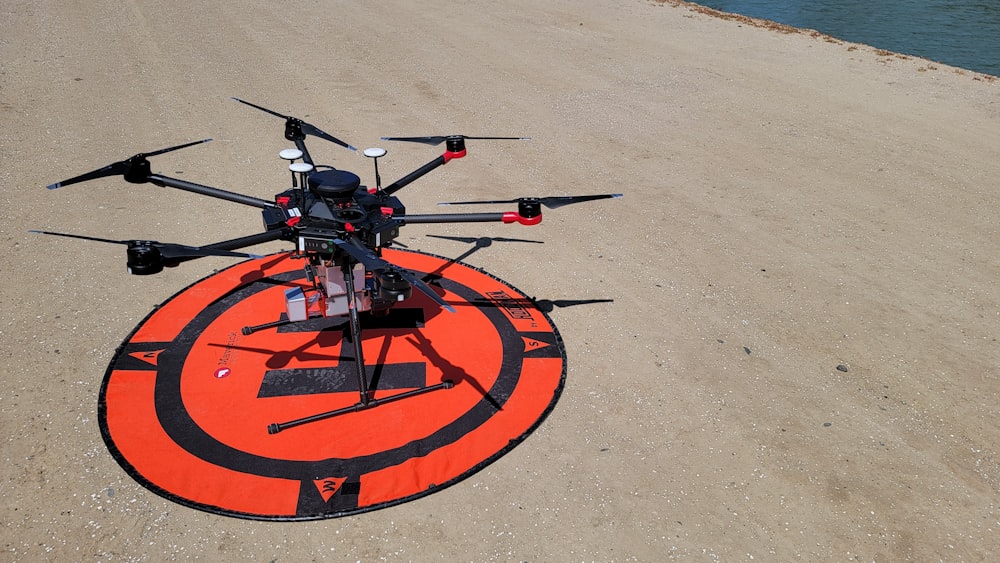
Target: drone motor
x=393, y=287
x=143, y=258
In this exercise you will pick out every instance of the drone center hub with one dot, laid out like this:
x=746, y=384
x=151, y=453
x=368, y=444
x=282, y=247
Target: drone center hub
x=349, y=214
x=337, y=186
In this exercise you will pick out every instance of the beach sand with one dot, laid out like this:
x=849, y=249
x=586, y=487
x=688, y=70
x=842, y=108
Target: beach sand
x=799, y=360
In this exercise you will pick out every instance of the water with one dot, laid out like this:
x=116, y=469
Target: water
x=961, y=33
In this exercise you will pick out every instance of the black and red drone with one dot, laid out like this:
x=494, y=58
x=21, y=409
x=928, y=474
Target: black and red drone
x=338, y=226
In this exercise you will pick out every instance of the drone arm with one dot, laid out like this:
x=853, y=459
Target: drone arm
x=238, y=243
x=300, y=143
x=250, y=240
x=419, y=172
x=423, y=170
x=497, y=217
x=209, y=191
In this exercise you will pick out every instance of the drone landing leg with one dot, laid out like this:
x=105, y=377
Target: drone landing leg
x=248, y=330
x=352, y=309
x=367, y=400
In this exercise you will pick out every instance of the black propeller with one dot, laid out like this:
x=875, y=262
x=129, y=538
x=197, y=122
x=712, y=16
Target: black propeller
x=553, y=202
x=437, y=140
x=166, y=249
x=296, y=129
x=372, y=262
x=134, y=169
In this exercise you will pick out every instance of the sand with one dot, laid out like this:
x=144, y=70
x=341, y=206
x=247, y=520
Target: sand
x=794, y=204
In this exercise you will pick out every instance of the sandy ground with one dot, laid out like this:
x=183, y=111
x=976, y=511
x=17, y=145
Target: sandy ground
x=793, y=204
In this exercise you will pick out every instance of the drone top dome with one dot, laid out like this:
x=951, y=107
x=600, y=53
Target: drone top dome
x=334, y=184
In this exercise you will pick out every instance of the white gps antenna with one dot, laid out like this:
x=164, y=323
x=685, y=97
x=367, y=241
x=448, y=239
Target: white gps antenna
x=375, y=153
x=302, y=169
x=299, y=169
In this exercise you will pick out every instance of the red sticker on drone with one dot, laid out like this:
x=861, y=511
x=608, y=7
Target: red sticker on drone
x=265, y=445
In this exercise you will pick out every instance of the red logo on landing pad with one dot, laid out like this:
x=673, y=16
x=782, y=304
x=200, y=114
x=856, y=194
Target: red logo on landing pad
x=204, y=442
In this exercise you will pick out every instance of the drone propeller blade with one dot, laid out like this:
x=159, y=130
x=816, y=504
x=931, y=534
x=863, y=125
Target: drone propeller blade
x=83, y=237
x=316, y=132
x=171, y=250
x=438, y=139
x=362, y=254
x=171, y=149
x=425, y=289
x=556, y=202
x=372, y=262
x=263, y=109
x=115, y=169
x=553, y=202
x=167, y=250
x=120, y=168
x=306, y=128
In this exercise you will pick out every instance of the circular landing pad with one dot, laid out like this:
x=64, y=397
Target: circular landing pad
x=186, y=403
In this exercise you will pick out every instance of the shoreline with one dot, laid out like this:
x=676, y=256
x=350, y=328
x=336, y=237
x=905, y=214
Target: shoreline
x=851, y=46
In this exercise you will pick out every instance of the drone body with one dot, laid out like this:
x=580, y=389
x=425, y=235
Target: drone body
x=338, y=228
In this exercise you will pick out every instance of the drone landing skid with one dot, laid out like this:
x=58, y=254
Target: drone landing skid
x=367, y=402
x=367, y=399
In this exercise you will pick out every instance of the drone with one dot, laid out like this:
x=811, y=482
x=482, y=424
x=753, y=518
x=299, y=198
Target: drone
x=338, y=228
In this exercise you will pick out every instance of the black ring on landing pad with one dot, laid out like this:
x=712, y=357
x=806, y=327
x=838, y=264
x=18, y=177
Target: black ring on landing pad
x=185, y=432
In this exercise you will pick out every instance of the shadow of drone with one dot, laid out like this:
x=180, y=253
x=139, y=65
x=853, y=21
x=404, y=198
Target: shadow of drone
x=278, y=359
x=258, y=274
x=479, y=243
x=333, y=332
x=548, y=305
x=383, y=358
x=450, y=371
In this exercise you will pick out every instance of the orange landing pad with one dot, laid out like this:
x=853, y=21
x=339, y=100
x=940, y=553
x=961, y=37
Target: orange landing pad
x=187, y=401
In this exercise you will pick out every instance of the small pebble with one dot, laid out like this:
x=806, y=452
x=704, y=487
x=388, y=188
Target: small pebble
x=842, y=368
